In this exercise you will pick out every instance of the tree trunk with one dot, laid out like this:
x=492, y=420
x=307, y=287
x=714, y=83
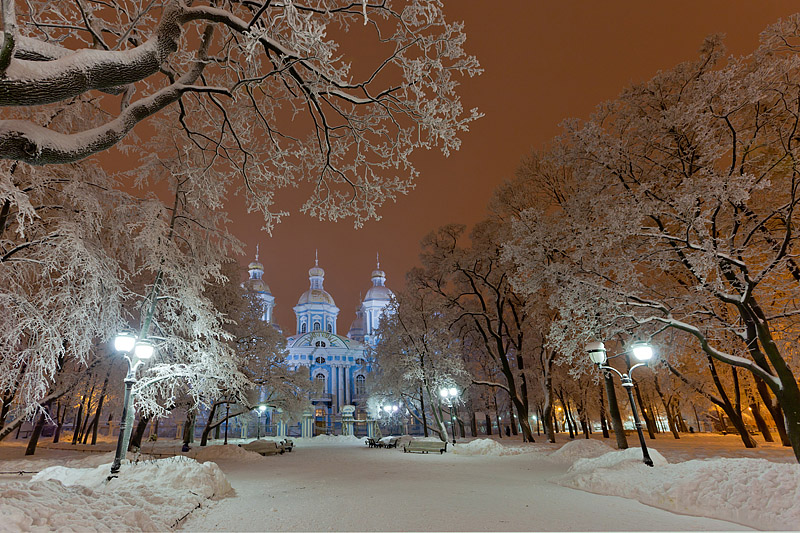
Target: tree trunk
x=603, y=421
x=613, y=411
x=643, y=412
x=760, y=422
x=136, y=438
x=96, y=420
x=37, y=431
x=473, y=422
x=666, y=404
x=188, y=427
x=774, y=410
x=209, y=425
x=60, y=415
x=76, y=426
x=422, y=411
x=6, y=399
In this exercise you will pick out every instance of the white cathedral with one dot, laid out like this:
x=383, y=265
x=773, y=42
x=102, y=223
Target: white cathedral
x=340, y=364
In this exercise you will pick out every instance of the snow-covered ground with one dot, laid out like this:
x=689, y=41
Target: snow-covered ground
x=339, y=484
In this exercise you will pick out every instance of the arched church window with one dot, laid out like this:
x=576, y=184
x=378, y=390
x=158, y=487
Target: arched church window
x=360, y=362
x=320, y=344
x=320, y=378
x=361, y=385
x=316, y=326
x=320, y=361
x=303, y=327
x=330, y=328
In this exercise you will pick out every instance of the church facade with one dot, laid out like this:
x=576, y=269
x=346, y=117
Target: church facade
x=339, y=364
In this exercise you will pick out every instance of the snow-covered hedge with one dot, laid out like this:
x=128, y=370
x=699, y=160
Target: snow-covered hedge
x=753, y=492
x=148, y=496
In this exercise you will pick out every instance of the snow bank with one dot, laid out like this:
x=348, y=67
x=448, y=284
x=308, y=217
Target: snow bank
x=148, y=496
x=225, y=452
x=580, y=449
x=492, y=447
x=479, y=447
x=753, y=492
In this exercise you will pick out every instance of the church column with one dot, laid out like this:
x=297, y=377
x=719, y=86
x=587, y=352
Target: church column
x=334, y=390
x=347, y=398
x=340, y=395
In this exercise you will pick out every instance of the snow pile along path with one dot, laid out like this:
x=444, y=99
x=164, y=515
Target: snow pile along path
x=753, y=492
x=148, y=496
x=226, y=452
x=491, y=447
x=580, y=449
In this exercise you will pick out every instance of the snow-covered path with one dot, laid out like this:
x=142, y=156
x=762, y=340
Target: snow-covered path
x=351, y=487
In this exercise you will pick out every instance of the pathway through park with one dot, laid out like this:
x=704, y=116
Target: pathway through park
x=356, y=488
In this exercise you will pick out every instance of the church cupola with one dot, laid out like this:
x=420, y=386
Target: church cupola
x=315, y=309
x=255, y=284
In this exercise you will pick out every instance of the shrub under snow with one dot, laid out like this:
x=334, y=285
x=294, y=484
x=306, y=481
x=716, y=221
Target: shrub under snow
x=148, y=496
x=579, y=449
x=753, y=492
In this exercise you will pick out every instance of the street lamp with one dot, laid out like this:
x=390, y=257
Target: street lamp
x=642, y=352
x=449, y=395
x=261, y=409
x=390, y=410
x=135, y=351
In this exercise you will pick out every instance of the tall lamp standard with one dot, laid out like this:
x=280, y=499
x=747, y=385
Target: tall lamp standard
x=450, y=395
x=644, y=353
x=390, y=410
x=261, y=409
x=135, y=351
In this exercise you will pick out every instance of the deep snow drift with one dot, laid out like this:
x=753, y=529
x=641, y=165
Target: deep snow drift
x=147, y=496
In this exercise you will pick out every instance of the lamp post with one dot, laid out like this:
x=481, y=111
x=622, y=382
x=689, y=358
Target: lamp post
x=390, y=410
x=135, y=351
x=449, y=395
x=261, y=409
x=641, y=351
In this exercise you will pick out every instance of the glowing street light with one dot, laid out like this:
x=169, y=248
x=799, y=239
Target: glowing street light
x=261, y=409
x=135, y=351
x=450, y=395
x=643, y=352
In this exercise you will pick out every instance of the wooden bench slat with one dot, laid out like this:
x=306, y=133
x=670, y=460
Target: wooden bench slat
x=425, y=446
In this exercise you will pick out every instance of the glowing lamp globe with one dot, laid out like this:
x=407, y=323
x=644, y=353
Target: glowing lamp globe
x=124, y=341
x=597, y=352
x=262, y=408
x=443, y=393
x=453, y=392
x=642, y=351
x=144, y=349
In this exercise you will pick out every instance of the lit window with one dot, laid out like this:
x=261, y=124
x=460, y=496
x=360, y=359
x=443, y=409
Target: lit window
x=319, y=412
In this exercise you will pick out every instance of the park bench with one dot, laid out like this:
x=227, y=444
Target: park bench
x=391, y=442
x=264, y=447
x=425, y=446
x=287, y=444
x=372, y=443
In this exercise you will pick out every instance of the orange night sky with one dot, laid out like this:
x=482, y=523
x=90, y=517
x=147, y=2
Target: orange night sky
x=543, y=62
